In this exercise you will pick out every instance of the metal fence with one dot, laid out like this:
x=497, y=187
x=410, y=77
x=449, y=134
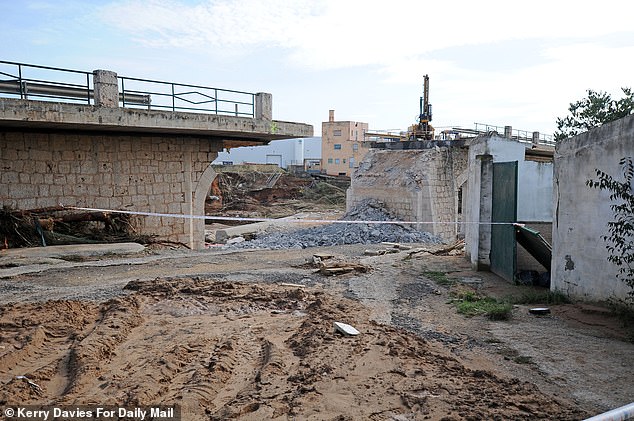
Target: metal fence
x=29, y=81
x=521, y=135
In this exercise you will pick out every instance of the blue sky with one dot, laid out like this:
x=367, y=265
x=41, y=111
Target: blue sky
x=495, y=62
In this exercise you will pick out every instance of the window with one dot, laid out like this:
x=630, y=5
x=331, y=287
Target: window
x=351, y=162
x=344, y=160
x=337, y=161
x=355, y=147
x=330, y=160
x=337, y=132
x=337, y=146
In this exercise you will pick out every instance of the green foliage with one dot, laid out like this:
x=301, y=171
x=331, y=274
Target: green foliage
x=620, y=238
x=470, y=304
x=541, y=297
x=597, y=109
x=439, y=277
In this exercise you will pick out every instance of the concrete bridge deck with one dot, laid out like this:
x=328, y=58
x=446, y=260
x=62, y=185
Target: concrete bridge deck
x=109, y=157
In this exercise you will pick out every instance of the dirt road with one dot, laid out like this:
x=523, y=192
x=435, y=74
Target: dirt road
x=228, y=336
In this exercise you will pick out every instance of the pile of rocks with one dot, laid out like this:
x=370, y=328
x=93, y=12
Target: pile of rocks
x=343, y=233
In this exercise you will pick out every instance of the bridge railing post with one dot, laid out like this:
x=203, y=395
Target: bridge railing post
x=263, y=106
x=106, y=88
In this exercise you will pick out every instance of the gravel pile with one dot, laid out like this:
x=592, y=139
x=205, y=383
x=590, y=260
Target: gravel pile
x=338, y=234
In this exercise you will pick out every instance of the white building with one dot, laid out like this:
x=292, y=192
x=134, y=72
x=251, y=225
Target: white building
x=289, y=152
x=508, y=182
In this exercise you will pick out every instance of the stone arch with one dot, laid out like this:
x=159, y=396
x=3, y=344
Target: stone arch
x=197, y=225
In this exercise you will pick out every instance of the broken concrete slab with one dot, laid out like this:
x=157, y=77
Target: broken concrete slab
x=80, y=250
x=346, y=329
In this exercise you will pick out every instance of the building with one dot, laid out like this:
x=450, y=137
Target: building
x=508, y=182
x=342, y=145
x=305, y=153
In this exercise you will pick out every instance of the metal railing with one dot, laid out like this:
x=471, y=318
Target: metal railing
x=71, y=85
x=520, y=135
x=28, y=81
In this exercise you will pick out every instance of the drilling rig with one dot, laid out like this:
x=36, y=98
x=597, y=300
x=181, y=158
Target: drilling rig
x=422, y=130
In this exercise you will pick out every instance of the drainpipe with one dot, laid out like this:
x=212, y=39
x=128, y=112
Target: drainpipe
x=619, y=414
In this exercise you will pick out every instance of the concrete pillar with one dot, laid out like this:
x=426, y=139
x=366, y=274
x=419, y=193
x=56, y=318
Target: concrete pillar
x=486, y=211
x=508, y=132
x=263, y=106
x=331, y=116
x=536, y=137
x=106, y=88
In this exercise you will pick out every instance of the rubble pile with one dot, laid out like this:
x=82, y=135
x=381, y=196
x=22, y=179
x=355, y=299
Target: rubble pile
x=341, y=233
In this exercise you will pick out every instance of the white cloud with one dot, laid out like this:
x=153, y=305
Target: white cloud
x=562, y=48
x=327, y=34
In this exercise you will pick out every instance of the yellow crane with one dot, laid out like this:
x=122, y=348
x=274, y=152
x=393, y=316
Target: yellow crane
x=422, y=130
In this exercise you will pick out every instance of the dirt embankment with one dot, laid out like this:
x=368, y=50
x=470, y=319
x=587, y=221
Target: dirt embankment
x=226, y=350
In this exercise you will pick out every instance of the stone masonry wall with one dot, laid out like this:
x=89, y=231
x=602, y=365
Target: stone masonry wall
x=121, y=172
x=414, y=185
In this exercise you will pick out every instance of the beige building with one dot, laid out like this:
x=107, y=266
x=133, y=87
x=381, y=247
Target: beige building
x=342, y=145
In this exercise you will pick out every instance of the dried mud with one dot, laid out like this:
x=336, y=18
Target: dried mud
x=227, y=350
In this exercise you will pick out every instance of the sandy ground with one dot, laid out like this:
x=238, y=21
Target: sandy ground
x=230, y=335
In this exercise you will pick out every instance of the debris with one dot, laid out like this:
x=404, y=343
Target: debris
x=235, y=240
x=333, y=266
x=59, y=225
x=539, y=311
x=346, y=329
x=323, y=256
x=319, y=257
x=396, y=245
x=341, y=233
x=284, y=284
x=33, y=385
x=444, y=251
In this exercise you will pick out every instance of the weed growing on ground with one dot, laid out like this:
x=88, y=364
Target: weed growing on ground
x=439, y=277
x=624, y=310
x=471, y=303
x=540, y=297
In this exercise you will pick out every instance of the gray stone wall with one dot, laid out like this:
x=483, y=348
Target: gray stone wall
x=121, y=172
x=580, y=266
x=415, y=185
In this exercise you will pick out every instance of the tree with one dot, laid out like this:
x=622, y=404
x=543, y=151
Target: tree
x=621, y=231
x=597, y=109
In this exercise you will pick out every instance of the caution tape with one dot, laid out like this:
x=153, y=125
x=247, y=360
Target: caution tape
x=281, y=220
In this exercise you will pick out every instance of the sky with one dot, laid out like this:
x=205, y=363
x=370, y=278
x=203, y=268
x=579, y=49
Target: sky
x=491, y=62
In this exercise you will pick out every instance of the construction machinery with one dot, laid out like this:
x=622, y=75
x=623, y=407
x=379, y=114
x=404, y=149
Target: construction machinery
x=422, y=130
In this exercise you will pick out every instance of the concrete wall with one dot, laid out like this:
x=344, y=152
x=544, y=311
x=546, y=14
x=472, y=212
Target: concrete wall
x=534, y=192
x=580, y=266
x=290, y=151
x=415, y=185
x=129, y=172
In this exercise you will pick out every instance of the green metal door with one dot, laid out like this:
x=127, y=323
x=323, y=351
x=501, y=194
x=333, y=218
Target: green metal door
x=504, y=209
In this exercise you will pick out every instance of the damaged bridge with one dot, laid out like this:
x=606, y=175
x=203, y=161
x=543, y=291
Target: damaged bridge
x=99, y=140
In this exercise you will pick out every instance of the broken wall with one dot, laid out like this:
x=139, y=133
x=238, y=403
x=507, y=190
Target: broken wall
x=580, y=265
x=121, y=172
x=415, y=185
